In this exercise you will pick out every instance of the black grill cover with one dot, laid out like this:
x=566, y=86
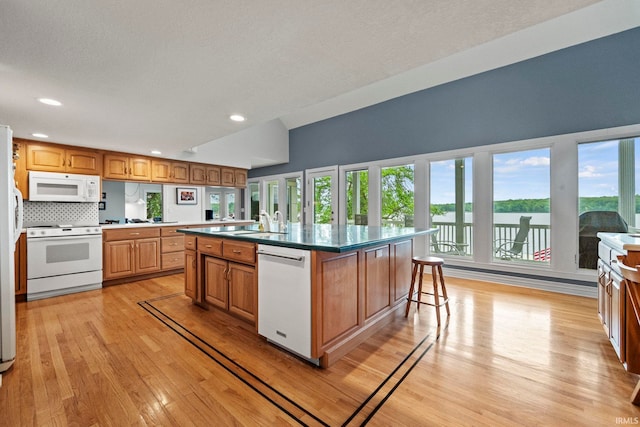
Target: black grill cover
x=590, y=224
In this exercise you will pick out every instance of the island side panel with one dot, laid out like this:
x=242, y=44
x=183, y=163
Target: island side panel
x=401, y=254
x=377, y=280
x=336, y=297
x=355, y=294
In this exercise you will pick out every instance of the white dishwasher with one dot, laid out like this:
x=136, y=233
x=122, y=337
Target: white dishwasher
x=284, y=298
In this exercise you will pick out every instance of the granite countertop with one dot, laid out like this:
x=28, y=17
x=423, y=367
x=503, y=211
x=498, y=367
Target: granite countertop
x=216, y=223
x=621, y=241
x=321, y=237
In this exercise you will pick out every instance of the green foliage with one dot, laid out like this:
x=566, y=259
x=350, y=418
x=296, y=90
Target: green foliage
x=397, y=193
x=363, y=192
x=154, y=205
x=322, y=200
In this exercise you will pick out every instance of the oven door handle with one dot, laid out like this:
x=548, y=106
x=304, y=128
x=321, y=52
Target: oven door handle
x=63, y=238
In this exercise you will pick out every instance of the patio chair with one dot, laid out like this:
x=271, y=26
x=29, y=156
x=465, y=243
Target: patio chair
x=446, y=247
x=509, y=249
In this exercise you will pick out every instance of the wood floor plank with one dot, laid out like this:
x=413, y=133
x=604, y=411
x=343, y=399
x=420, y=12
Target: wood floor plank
x=507, y=355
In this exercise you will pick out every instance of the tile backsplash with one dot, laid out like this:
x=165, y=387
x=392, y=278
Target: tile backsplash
x=50, y=213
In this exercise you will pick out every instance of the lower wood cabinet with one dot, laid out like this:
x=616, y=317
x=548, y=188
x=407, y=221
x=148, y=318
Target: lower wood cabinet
x=225, y=276
x=20, y=258
x=130, y=252
x=190, y=273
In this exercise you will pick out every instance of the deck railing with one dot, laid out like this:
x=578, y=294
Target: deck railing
x=537, y=246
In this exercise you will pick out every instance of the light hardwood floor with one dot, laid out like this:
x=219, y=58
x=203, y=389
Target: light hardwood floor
x=142, y=354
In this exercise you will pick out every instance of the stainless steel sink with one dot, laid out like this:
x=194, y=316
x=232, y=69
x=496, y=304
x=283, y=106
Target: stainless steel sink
x=264, y=234
x=235, y=232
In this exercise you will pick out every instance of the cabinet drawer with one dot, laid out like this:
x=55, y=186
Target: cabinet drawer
x=172, y=244
x=190, y=242
x=210, y=246
x=173, y=260
x=239, y=251
x=131, y=233
x=170, y=231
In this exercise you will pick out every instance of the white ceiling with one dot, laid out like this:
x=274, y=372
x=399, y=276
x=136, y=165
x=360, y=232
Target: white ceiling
x=147, y=74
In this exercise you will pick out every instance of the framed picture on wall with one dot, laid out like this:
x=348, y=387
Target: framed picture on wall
x=186, y=196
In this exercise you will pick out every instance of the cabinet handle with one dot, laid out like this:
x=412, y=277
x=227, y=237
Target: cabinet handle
x=133, y=234
x=131, y=245
x=237, y=251
x=207, y=246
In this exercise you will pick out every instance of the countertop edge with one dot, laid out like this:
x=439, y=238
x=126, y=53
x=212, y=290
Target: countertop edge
x=308, y=246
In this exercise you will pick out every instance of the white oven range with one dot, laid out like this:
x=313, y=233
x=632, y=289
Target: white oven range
x=63, y=259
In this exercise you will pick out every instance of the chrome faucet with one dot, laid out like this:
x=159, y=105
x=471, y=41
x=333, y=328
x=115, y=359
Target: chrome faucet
x=278, y=218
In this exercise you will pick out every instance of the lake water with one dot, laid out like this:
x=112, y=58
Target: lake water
x=506, y=218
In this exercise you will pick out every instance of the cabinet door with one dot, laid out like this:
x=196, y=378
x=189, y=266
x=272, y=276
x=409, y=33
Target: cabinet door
x=197, y=174
x=118, y=259
x=243, y=291
x=21, y=265
x=615, y=319
x=83, y=161
x=213, y=176
x=227, y=177
x=216, y=284
x=180, y=172
x=240, y=178
x=190, y=274
x=160, y=170
x=603, y=295
x=140, y=169
x=401, y=269
x=377, y=283
x=116, y=166
x=45, y=158
x=147, y=255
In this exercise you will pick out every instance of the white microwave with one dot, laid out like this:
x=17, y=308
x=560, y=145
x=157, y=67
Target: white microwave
x=63, y=187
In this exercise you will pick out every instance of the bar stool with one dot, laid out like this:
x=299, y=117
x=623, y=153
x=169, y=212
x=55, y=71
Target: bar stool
x=436, y=270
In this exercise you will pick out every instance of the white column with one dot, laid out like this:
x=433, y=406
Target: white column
x=626, y=181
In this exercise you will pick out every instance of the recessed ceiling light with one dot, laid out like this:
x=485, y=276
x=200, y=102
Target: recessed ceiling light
x=237, y=118
x=40, y=135
x=156, y=152
x=50, y=101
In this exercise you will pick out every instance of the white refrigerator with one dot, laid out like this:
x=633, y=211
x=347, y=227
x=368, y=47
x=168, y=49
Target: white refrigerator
x=10, y=227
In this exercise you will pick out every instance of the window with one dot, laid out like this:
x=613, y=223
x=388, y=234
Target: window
x=214, y=202
x=154, y=205
x=397, y=196
x=357, y=196
x=230, y=204
x=607, y=200
x=294, y=199
x=272, y=197
x=254, y=201
x=450, y=208
x=521, y=205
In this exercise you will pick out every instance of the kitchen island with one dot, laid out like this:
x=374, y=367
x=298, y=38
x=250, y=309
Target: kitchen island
x=356, y=278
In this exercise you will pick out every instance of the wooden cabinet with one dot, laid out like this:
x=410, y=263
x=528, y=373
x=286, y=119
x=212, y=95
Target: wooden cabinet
x=53, y=158
x=228, y=278
x=122, y=167
x=231, y=177
x=20, y=258
x=169, y=171
x=20, y=163
x=377, y=279
x=190, y=273
x=204, y=174
x=130, y=252
x=172, y=248
x=401, y=254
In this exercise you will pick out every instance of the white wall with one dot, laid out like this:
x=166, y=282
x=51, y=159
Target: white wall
x=172, y=211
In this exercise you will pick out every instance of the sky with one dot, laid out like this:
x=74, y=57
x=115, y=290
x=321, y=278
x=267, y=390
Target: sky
x=526, y=174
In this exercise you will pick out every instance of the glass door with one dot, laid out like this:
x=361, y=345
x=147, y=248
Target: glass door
x=322, y=196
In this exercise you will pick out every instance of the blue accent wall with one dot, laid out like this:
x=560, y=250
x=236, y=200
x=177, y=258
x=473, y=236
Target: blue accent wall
x=589, y=86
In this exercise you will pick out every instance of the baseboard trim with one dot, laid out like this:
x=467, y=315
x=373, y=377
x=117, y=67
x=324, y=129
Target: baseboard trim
x=525, y=282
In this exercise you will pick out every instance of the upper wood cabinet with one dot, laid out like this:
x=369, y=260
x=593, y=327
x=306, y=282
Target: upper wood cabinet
x=123, y=167
x=51, y=158
x=169, y=171
x=231, y=177
x=204, y=174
